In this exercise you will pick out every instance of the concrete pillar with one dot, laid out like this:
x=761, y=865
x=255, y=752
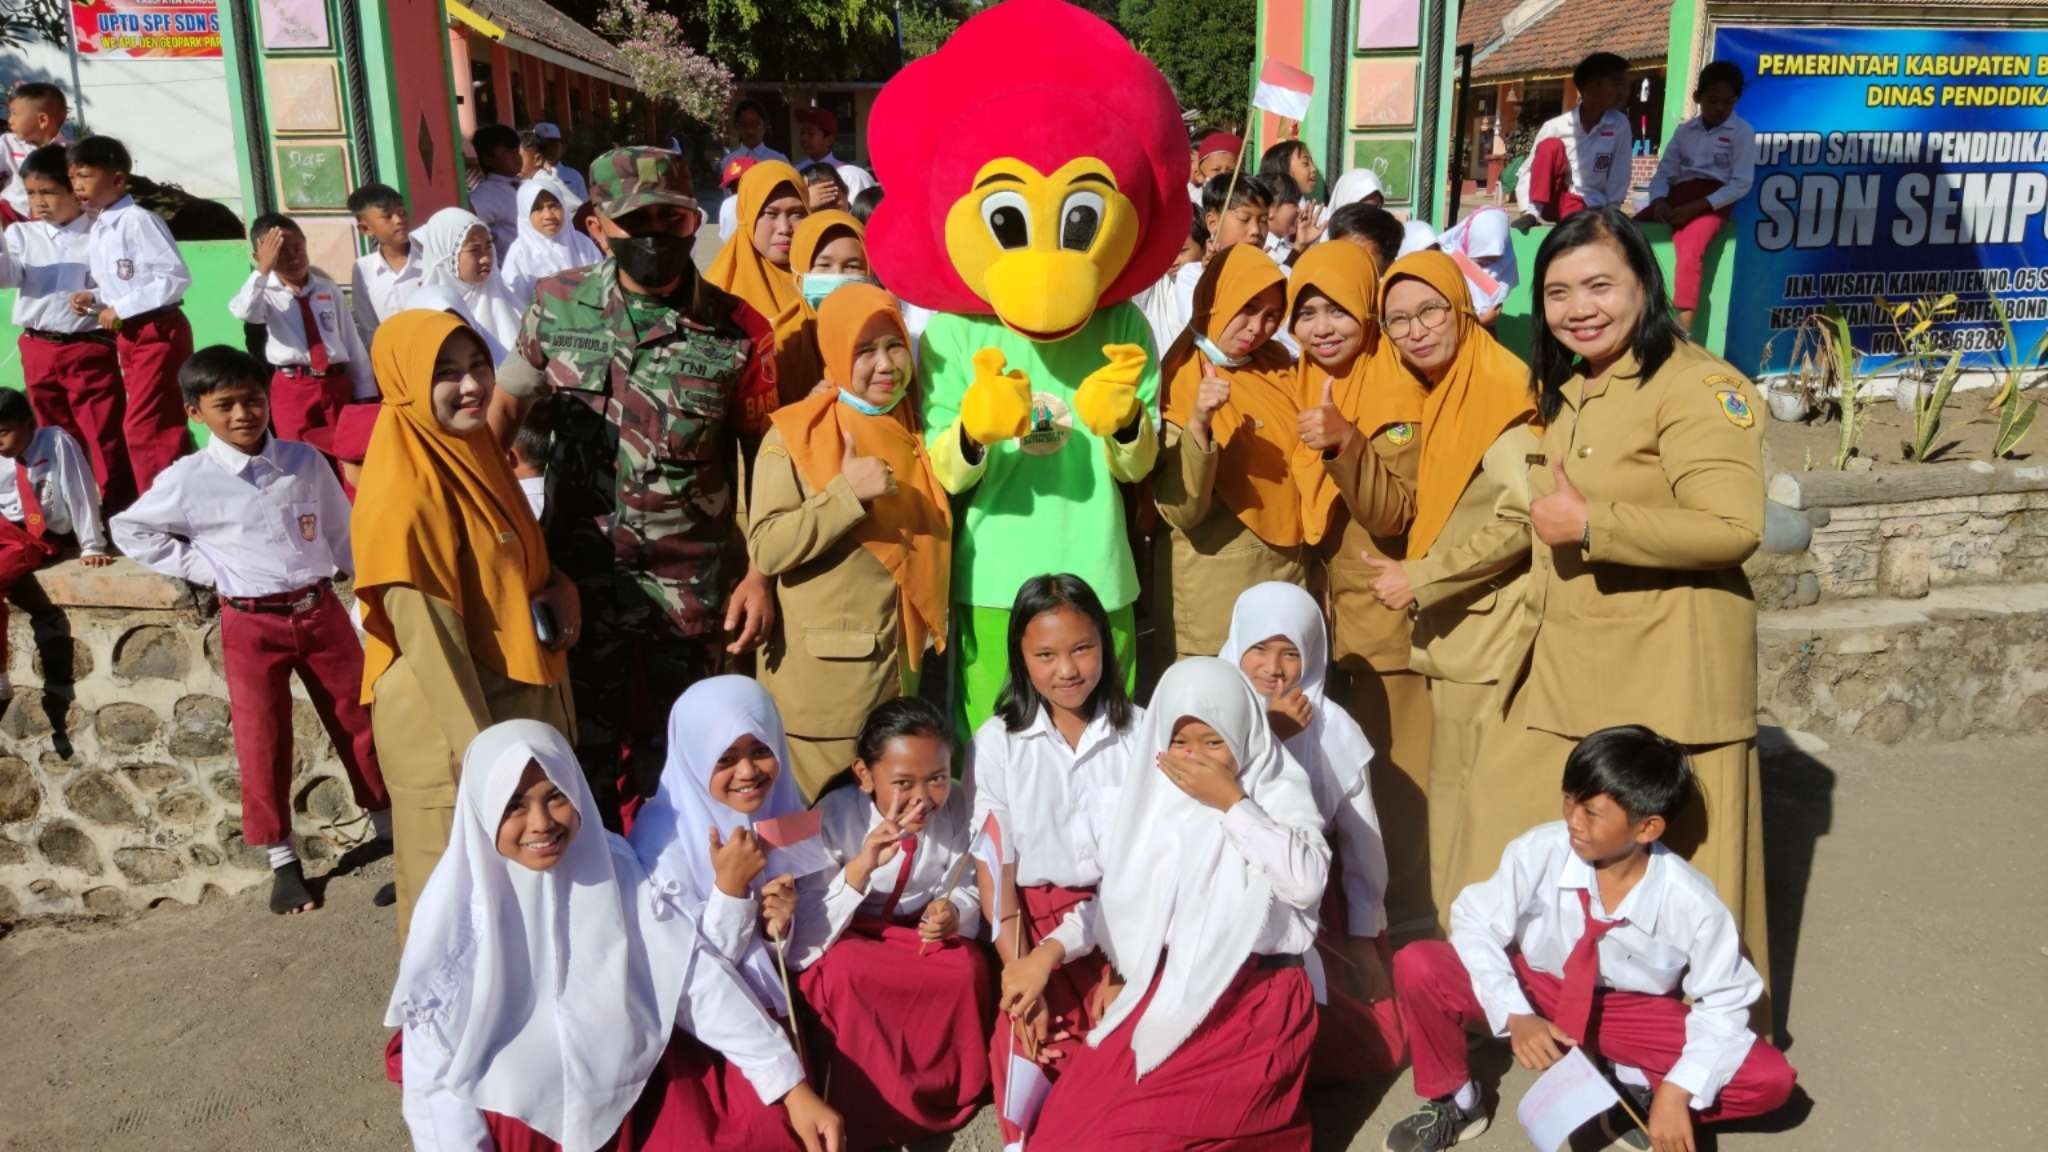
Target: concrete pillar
x=501, y=83
x=459, y=75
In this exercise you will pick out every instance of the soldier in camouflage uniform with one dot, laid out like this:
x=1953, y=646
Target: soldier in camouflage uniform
x=654, y=381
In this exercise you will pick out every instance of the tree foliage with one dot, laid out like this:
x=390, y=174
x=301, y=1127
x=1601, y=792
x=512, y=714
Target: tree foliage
x=663, y=66
x=1205, y=47
x=26, y=21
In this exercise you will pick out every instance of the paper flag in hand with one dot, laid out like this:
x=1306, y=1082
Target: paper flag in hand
x=987, y=847
x=1024, y=1092
x=1284, y=90
x=794, y=847
x=1563, y=1099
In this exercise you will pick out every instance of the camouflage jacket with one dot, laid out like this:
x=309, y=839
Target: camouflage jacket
x=646, y=426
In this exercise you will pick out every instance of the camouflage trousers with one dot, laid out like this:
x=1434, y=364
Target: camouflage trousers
x=626, y=673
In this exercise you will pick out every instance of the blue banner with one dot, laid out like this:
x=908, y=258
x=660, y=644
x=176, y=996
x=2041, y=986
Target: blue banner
x=1894, y=165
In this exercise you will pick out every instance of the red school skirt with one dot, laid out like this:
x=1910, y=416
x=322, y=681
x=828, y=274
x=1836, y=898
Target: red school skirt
x=1067, y=994
x=901, y=1038
x=694, y=1100
x=1357, y=1041
x=1235, y=1084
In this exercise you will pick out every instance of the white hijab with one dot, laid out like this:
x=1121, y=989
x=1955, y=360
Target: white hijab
x=440, y=298
x=1333, y=748
x=1479, y=236
x=1172, y=883
x=671, y=834
x=492, y=310
x=551, y=993
x=535, y=256
x=1415, y=237
x=1353, y=187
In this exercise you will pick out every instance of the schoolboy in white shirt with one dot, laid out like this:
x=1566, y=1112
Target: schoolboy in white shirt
x=46, y=494
x=264, y=523
x=319, y=362
x=35, y=119
x=139, y=281
x=1707, y=167
x=1593, y=934
x=495, y=199
x=385, y=279
x=1580, y=158
x=70, y=366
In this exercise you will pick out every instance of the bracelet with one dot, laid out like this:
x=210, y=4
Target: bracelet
x=1586, y=537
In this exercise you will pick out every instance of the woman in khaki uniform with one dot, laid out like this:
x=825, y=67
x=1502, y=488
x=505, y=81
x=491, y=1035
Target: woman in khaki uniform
x=1469, y=544
x=1648, y=495
x=449, y=562
x=849, y=520
x=1229, y=482
x=1367, y=430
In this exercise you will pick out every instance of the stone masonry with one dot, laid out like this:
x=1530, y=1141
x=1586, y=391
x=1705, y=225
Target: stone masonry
x=118, y=788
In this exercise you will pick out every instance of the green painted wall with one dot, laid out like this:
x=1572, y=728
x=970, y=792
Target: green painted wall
x=1678, y=65
x=218, y=269
x=1710, y=325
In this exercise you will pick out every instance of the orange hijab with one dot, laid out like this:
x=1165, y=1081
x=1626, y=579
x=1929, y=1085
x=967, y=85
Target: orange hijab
x=1483, y=393
x=1256, y=474
x=440, y=512
x=798, y=364
x=1376, y=391
x=742, y=270
x=909, y=530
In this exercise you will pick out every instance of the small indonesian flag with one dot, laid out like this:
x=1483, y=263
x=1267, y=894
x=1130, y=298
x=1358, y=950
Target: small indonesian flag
x=794, y=846
x=1284, y=90
x=987, y=847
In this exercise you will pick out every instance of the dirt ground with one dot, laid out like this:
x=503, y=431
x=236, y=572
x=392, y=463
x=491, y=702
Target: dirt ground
x=1909, y=934
x=1967, y=432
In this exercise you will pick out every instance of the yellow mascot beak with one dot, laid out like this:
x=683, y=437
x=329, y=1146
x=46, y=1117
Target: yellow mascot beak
x=1040, y=249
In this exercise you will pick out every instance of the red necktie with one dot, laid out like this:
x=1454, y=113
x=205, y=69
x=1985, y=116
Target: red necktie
x=902, y=876
x=31, y=504
x=1581, y=971
x=316, y=348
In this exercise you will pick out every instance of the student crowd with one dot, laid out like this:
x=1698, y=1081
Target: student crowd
x=687, y=557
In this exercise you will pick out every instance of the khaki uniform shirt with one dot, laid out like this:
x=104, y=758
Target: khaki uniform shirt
x=1470, y=626
x=1653, y=623
x=1377, y=479
x=1210, y=556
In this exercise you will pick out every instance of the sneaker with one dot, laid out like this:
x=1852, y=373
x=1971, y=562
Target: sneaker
x=1438, y=1124
x=1616, y=1125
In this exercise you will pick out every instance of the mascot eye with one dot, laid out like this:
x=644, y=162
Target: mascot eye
x=1008, y=218
x=1080, y=220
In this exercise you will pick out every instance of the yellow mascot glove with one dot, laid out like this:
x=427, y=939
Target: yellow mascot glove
x=997, y=405
x=1107, y=400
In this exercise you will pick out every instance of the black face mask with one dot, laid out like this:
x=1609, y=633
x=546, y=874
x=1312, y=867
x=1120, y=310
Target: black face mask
x=653, y=261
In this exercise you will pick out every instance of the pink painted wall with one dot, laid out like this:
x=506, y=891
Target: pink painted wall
x=419, y=70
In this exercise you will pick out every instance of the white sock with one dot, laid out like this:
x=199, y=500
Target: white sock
x=281, y=855
x=380, y=824
x=1630, y=1074
x=1466, y=1097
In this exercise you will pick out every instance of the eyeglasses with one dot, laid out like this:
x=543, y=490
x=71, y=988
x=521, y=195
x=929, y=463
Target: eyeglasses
x=1431, y=317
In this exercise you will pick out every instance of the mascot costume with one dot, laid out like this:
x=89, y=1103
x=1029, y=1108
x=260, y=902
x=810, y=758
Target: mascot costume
x=1036, y=167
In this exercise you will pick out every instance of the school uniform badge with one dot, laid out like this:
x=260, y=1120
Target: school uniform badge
x=308, y=527
x=1735, y=408
x=124, y=268
x=1400, y=434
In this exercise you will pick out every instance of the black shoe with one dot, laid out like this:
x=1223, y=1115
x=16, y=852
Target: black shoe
x=1437, y=1125
x=386, y=896
x=288, y=891
x=1616, y=1125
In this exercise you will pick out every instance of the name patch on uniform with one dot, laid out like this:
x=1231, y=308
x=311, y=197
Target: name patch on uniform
x=1735, y=408
x=1399, y=434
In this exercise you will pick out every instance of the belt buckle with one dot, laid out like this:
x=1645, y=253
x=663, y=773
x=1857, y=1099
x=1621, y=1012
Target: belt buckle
x=305, y=603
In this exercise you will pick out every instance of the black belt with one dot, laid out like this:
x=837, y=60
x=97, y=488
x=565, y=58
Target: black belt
x=333, y=370
x=152, y=314
x=293, y=603
x=1279, y=960
x=96, y=336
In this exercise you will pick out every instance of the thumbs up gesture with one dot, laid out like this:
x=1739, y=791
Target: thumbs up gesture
x=870, y=477
x=1559, y=518
x=1107, y=400
x=1324, y=427
x=997, y=405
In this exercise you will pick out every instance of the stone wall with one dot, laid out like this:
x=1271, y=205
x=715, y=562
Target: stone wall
x=118, y=787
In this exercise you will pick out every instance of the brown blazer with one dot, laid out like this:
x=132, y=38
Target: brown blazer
x=1377, y=480
x=1653, y=623
x=1208, y=558
x=1470, y=626
x=834, y=653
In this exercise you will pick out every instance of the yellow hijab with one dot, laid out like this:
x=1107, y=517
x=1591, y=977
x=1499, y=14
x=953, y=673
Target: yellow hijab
x=1484, y=392
x=1254, y=432
x=1376, y=391
x=440, y=512
x=909, y=530
x=798, y=363
x=743, y=271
